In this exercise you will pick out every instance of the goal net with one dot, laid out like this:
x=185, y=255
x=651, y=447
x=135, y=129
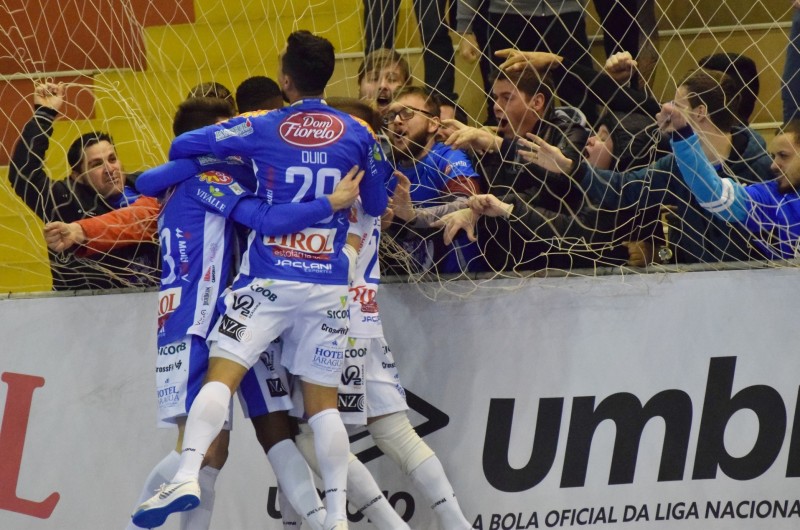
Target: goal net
x=620, y=205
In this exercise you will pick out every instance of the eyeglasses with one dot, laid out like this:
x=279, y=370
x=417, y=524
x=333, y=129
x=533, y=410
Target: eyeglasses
x=406, y=113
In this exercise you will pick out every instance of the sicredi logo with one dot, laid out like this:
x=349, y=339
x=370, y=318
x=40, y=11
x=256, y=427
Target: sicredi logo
x=311, y=129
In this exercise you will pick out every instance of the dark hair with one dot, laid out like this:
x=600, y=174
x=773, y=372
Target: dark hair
x=81, y=144
x=458, y=113
x=792, y=127
x=357, y=108
x=528, y=81
x=381, y=58
x=431, y=101
x=212, y=89
x=309, y=61
x=744, y=72
x=632, y=136
x=257, y=93
x=718, y=92
x=199, y=112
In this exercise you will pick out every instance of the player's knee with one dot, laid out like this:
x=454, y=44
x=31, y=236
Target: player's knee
x=272, y=428
x=305, y=444
x=217, y=453
x=395, y=436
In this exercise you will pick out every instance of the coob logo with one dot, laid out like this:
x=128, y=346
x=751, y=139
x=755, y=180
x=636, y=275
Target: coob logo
x=340, y=313
x=311, y=129
x=215, y=177
x=172, y=349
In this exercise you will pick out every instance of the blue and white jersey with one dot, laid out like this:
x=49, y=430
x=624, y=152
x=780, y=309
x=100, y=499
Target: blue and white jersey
x=365, y=320
x=432, y=174
x=298, y=153
x=197, y=242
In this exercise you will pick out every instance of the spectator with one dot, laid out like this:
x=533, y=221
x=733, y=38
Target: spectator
x=769, y=210
x=380, y=22
x=96, y=185
x=382, y=73
x=709, y=97
x=437, y=174
x=258, y=93
x=557, y=27
x=744, y=72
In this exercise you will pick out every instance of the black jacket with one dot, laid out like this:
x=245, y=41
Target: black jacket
x=66, y=200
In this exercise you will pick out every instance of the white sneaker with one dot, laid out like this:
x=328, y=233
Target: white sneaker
x=170, y=498
x=341, y=524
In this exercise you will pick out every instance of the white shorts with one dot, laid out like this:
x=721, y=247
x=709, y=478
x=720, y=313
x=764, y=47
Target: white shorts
x=370, y=385
x=311, y=319
x=265, y=387
x=180, y=370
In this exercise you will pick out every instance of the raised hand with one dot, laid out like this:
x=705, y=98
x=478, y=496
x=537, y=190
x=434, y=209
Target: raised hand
x=489, y=205
x=541, y=153
x=49, y=95
x=620, y=67
x=468, y=48
x=516, y=60
x=480, y=140
x=402, y=206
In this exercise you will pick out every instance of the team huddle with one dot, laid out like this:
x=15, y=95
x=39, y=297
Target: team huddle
x=308, y=184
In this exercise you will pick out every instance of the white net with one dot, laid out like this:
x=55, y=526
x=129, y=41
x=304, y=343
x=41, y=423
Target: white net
x=126, y=65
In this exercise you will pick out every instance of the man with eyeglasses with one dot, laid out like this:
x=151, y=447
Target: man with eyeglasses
x=435, y=174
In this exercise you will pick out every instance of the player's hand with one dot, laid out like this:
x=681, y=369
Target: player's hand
x=387, y=217
x=480, y=140
x=516, y=60
x=49, y=95
x=456, y=221
x=537, y=151
x=346, y=192
x=670, y=118
x=62, y=236
x=489, y=205
x=468, y=48
x=402, y=207
x=620, y=67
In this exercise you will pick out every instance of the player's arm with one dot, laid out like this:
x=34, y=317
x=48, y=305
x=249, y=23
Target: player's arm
x=374, y=197
x=236, y=136
x=245, y=208
x=725, y=198
x=159, y=179
x=129, y=225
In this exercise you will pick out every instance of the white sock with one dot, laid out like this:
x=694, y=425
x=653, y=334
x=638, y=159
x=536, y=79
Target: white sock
x=332, y=447
x=205, y=421
x=289, y=516
x=431, y=480
x=366, y=495
x=296, y=483
x=200, y=517
x=161, y=473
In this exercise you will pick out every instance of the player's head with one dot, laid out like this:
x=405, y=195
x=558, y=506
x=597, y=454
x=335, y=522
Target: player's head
x=306, y=65
x=786, y=157
x=382, y=73
x=212, y=89
x=621, y=141
x=411, y=121
x=358, y=108
x=708, y=97
x=199, y=112
x=744, y=72
x=258, y=93
x=93, y=161
x=521, y=99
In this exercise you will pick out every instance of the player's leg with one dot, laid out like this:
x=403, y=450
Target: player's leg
x=394, y=435
x=216, y=456
x=362, y=490
x=264, y=396
x=235, y=348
